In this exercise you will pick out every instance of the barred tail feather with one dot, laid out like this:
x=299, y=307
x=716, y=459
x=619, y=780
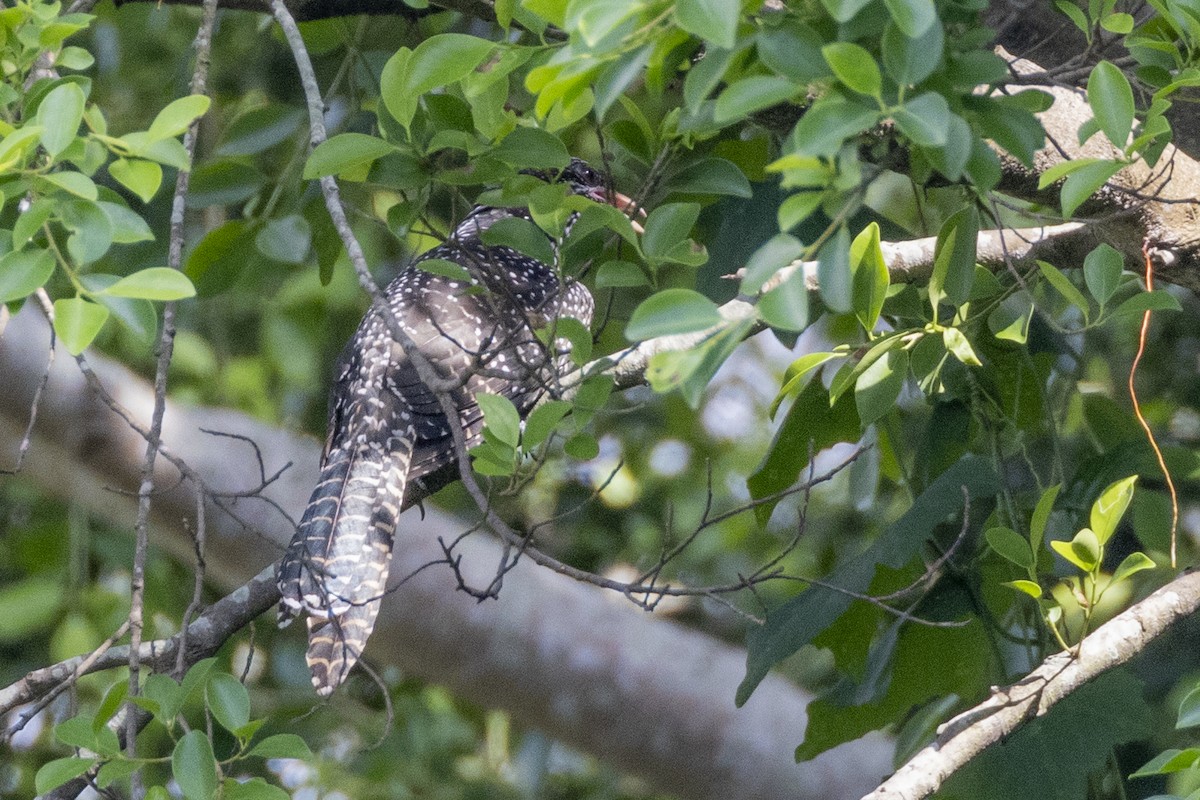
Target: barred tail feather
x=336, y=567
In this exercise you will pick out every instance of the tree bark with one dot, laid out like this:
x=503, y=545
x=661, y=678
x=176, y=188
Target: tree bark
x=648, y=695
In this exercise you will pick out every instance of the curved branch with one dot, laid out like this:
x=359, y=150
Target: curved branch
x=1112, y=644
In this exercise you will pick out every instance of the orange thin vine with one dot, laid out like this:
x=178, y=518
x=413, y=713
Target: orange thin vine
x=1137, y=408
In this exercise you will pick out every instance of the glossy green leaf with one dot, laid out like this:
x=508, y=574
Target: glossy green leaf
x=797, y=208
x=399, y=101
x=521, y=235
x=1083, y=550
x=501, y=417
x=1189, y=710
x=143, y=178
x=871, y=279
x=281, y=745
x=178, y=116
x=828, y=123
x=444, y=58
x=960, y=347
x=90, y=229
x=75, y=183
x=114, y=771
x=59, y=115
x=542, y=421
x=1085, y=182
x=1063, y=285
x=879, y=385
x=715, y=21
x=854, y=66
x=797, y=371
x=785, y=307
x=672, y=311
x=55, y=773
x=954, y=259
x=1111, y=98
x=1102, y=272
x=617, y=274
x=1026, y=586
x=77, y=321
x=793, y=50
x=1041, y=514
x=748, y=95
x=1133, y=563
x=1010, y=320
x=258, y=130
x=344, y=152
x=23, y=272
x=1012, y=546
x=285, y=239
x=1169, y=761
x=194, y=767
x=925, y=119
x=155, y=283
x=1110, y=506
x=228, y=700
x=777, y=252
x=1158, y=300
x=532, y=148
x=914, y=17
x=711, y=176
x=667, y=227
x=908, y=59
x=833, y=272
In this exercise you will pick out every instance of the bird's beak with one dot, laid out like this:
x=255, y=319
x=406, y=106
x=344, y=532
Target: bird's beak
x=629, y=208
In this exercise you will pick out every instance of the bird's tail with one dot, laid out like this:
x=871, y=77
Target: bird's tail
x=335, y=569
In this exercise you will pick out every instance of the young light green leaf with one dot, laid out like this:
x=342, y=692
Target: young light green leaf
x=1029, y=587
x=155, y=283
x=879, y=385
x=55, y=773
x=59, y=115
x=1083, y=550
x=23, y=272
x=1111, y=98
x=854, y=66
x=345, y=152
x=1169, y=761
x=1189, y=711
x=1110, y=506
x=143, y=178
x=672, y=311
x=1133, y=563
x=194, y=767
x=177, y=116
x=715, y=21
x=228, y=700
x=960, y=347
x=1012, y=546
x=75, y=183
x=76, y=321
x=501, y=417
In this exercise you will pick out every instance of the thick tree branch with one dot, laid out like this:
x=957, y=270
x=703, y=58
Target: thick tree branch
x=1114, y=643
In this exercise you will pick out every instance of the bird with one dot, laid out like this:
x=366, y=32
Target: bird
x=389, y=445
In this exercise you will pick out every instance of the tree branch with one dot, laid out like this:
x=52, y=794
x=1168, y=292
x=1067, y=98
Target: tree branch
x=1112, y=644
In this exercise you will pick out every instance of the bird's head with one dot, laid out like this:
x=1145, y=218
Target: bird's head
x=586, y=180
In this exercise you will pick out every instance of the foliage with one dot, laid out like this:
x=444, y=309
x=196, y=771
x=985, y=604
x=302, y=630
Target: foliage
x=768, y=142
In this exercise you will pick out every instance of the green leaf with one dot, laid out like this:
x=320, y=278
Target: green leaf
x=90, y=227
x=442, y=59
x=690, y=371
x=829, y=122
x=282, y=745
x=793, y=50
x=711, y=176
x=795, y=374
x=16, y=146
x=532, y=148
x=345, y=152
x=833, y=272
x=1063, y=286
x=748, y=95
x=1029, y=587
x=1110, y=506
x=960, y=347
x=1169, y=761
x=114, y=771
x=871, y=279
x=22, y=272
x=1010, y=320
x=777, y=252
x=854, y=66
x=143, y=178
x=1102, y=270
x=155, y=283
x=1041, y=514
x=800, y=620
x=76, y=321
x=55, y=773
x=616, y=274
x=954, y=259
x=114, y=698
x=75, y=183
x=582, y=446
x=1111, y=98
x=715, y=21
x=914, y=17
x=166, y=692
x=127, y=226
x=399, y=102
x=258, y=130
x=667, y=227
x=1119, y=23
x=59, y=115
x=785, y=307
x=178, y=116
x=194, y=767
x=1158, y=300
x=1085, y=182
x=542, y=421
x=925, y=120
x=285, y=239
x=797, y=208
x=910, y=60
x=879, y=385
x=672, y=311
x=1012, y=546
x=501, y=417
x=252, y=789
x=521, y=235
x=1133, y=563
x=228, y=700
x=1083, y=550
